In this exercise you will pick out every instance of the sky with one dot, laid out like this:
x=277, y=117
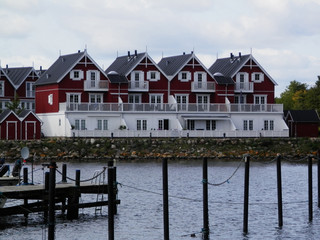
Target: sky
x=282, y=35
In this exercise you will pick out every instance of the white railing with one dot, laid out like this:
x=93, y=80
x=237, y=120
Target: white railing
x=166, y=107
x=138, y=86
x=202, y=87
x=244, y=87
x=178, y=133
x=96, y=85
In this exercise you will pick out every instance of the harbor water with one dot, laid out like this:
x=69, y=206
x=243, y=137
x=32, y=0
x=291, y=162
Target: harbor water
x=140, y=214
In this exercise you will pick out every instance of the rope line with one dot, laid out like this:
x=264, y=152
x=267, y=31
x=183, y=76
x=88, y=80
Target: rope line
x=227, y=180
x=85, y=180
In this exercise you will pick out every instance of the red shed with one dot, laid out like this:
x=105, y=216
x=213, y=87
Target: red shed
x=30, y=125
x=9, y=125
x=302, y=123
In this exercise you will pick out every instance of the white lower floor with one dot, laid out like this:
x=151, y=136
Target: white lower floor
x=160, y=124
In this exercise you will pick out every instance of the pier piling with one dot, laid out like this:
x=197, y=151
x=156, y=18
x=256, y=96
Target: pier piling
x=279, y=187
x=246, y=195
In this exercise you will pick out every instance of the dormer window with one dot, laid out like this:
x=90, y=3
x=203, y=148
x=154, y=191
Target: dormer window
x=184, y=76
x=76, y=75
x=153, y=75
x=257, y=77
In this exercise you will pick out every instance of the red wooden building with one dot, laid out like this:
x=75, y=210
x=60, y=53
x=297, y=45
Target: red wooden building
x=30, y=125
x=302, y=123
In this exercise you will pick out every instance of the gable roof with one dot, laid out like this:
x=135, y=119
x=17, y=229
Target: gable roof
x=303, y=115
x=172, y=65
x=60, y=68
x=25, y=113
x=19, y=75
x=230, y=66
x=220, y=79
x=5, y=113
x=125, y=64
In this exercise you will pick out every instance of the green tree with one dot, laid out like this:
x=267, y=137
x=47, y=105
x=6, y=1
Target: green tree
x=313, y=96
x=14, y=105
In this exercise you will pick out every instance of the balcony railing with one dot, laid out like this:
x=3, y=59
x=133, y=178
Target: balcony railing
x=244, y=87
x=166, y=107
x=140, y=86
x=101, y=85
x=202, y=87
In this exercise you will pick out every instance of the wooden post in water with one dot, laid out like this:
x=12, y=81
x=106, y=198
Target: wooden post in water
x=279, y=184
x=45, y=202
x=165, y=198
x=73, y=201
x=318, y=156
x=205, y=230
x=310, y=186
x=25, y=182
x=246, y=194
x=111, y=202
x=52, y=185
x=64, y=173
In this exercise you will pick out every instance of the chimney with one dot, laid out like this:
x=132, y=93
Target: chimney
x=239, y=54
x=184, y=53
x=231, y=56
x=40, y=68
x=7, y=70
x=135, y=53
x=78, y=51
x=128, y=54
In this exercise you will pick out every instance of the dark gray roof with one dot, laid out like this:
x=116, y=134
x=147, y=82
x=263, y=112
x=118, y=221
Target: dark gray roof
x=171, y=65
x=229, y=66
x=4, y=114
x=18, y=75
x=124, y=64
x=220, y=79
x=304, y=115
x=60, y=68
x=24, y=113
x=114, y=77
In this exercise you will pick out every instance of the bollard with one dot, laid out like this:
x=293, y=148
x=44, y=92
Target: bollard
x=279, y=184
x=52, y=185
x=205, y=230
x=64, y=173
x=165, y=198
x=111, y=202
x=25, y=176
x=246, y=195
x=310, y=186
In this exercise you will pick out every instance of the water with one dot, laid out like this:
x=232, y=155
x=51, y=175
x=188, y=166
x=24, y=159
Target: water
x=140, y=212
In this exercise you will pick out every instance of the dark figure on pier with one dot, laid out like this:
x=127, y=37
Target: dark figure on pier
x=2, y=160
x=17, y=168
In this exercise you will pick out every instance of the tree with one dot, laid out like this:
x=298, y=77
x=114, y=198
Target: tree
x=14, y=105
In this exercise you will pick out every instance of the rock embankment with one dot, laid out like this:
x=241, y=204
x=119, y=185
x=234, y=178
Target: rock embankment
x=89, y=149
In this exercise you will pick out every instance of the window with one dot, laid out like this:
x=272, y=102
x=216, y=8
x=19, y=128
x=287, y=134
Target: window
x=247, y=125
x=153, y=75
x=260, y=99
x=240, y=99
x=1, y=88
x=210, y=124
x=200, y=77
x=163, y=124
x=134, y=98
x=50, y=99
x=257, y=77
x=73, y=100
x=76, y=75
x=268, y=125
x=190, y=124
x=242, y=79
x=156, y=99
x=141, y=124
x=184, y=76
x=95, y=98
x=80, y=124
x=93, y=78
x=102, y=124
x=27, y=105
x=30, y=89
x=203, y=102
x=182, y=101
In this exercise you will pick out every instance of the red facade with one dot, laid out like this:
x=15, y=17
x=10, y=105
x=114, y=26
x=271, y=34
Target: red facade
x=10, y=128
x=30, y=127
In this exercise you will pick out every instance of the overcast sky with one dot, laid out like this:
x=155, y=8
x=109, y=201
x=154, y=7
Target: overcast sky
x=284, y=35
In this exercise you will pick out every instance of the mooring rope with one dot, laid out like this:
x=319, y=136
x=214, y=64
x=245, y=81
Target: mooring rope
x=292, y=160
x=85, y=180
x=227, y=180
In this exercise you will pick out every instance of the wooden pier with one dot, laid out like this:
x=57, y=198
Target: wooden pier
x=66, y=197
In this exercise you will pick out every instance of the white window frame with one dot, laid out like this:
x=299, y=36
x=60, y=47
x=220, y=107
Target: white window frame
x=142, y=124
x=261, y=77
x=181, y=104
x=134, y=97
x=80, y=124
x=2, y=85
x=30, y=89
x=93, y=82
x=156, y=76
x=188, y=76
x=247, y=125
x=96, y=96
x=102, y=124
x=156, y=96
x=260, y=97
x=245, y=77
x=238, y=96
x=50, y=99
x=268, y=125
x=205, y=105
x=203, y=76
x=75, y=78
x=133, y=76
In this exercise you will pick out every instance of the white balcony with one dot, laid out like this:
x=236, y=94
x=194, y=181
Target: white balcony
x=139, y=86
x=245, y=87
x=202, y=87
x=166, y=107
x=101, y=85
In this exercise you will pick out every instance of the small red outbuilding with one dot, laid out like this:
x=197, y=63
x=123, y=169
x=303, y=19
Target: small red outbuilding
x=23, y=127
